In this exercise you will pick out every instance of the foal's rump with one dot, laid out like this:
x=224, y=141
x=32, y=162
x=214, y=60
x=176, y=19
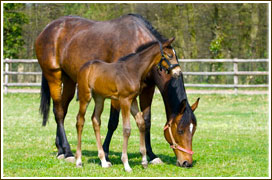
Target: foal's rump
x=85, y=70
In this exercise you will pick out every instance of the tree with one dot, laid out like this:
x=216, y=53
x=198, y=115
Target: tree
x=13, y=21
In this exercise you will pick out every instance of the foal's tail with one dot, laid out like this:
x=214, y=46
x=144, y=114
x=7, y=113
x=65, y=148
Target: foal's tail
x=45, y=100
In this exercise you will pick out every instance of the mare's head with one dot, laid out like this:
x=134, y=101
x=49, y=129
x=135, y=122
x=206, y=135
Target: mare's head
x=169, y=61
x=179, y=132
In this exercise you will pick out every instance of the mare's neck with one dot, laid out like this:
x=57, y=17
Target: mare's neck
x=172, y=91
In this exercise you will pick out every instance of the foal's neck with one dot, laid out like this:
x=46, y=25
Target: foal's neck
x=142, y=63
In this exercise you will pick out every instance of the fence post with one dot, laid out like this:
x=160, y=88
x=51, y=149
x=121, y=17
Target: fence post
x=6, y=77
x=235, y=77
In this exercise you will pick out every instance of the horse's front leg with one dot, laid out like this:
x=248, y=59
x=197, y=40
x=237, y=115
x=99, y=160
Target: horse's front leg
x=125, y=104
x=138, y=116
x=146, y=97
x=112, y=125
x=98, y=109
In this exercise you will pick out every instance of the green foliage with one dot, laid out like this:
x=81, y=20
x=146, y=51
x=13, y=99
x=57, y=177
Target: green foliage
x=231, y=140
x=216, y=47
x=202, y=31
x=216, y=50
x=13, y=30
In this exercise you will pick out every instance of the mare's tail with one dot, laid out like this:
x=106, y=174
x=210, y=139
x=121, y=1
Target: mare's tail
x=45, y=100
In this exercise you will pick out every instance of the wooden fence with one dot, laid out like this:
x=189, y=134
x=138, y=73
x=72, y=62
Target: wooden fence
x=235, y=73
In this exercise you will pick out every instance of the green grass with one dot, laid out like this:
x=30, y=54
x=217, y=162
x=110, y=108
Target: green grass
x=231, y=140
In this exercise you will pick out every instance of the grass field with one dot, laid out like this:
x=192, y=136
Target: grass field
x=231, y=140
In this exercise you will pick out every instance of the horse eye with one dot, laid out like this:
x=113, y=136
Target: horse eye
x=180, y=131
x=170, y=56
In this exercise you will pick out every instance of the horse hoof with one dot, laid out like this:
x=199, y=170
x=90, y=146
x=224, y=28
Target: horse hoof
x=61, y=156
x=109, y=163
x=128, y=169
x=156, y=161
x=78, y=163
x=106, y=165
x=70, y=159
x=145, y=164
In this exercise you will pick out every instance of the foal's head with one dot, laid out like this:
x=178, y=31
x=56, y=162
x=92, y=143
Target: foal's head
x=179, y=132
x=171, y=64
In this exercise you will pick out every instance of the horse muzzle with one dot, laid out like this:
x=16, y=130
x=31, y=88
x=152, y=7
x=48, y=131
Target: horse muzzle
x=176, y=72
x=185, y=164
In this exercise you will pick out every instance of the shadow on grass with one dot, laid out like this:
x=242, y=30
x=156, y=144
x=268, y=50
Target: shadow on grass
x=134, y=158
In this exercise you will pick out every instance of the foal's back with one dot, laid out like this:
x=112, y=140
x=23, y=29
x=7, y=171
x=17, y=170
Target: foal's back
x=109, y=80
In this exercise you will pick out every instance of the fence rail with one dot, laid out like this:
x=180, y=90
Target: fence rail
x=223, y=60
x=235, y=73
x=226, y=73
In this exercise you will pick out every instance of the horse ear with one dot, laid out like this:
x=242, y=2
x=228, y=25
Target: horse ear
x=168, y=42
x=182, y=106
x=194, y=106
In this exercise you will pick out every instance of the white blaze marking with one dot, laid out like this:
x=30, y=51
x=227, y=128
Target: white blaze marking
x=174, y=52
x=191, y=127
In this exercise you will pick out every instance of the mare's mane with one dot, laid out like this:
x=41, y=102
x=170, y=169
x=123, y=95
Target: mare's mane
x=149, y=26
x=176, y=94
x=175, y=87
x=151, y=29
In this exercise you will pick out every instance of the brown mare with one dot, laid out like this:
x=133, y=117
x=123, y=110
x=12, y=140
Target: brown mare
x=68, y=42
x=120, y=81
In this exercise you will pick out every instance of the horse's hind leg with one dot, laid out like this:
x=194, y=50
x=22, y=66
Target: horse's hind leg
x=68, y=92
x=112, y=125
x=55, y=86
x=98, y=109
x=84, y=99
x=138, y=116
x=67, y=95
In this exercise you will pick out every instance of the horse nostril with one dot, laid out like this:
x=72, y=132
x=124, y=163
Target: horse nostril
x=180, y=73
x=186, y=164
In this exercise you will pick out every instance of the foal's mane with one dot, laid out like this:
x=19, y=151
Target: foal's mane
x=138, y=50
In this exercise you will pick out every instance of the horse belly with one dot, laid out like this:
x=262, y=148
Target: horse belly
x=72, y=68
x=103, y=85
x=81, y=49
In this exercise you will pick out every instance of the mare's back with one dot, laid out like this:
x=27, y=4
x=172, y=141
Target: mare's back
x=76, y=40
x=105, y=40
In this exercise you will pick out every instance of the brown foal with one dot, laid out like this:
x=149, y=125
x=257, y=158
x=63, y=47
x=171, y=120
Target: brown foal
x=120, y=81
